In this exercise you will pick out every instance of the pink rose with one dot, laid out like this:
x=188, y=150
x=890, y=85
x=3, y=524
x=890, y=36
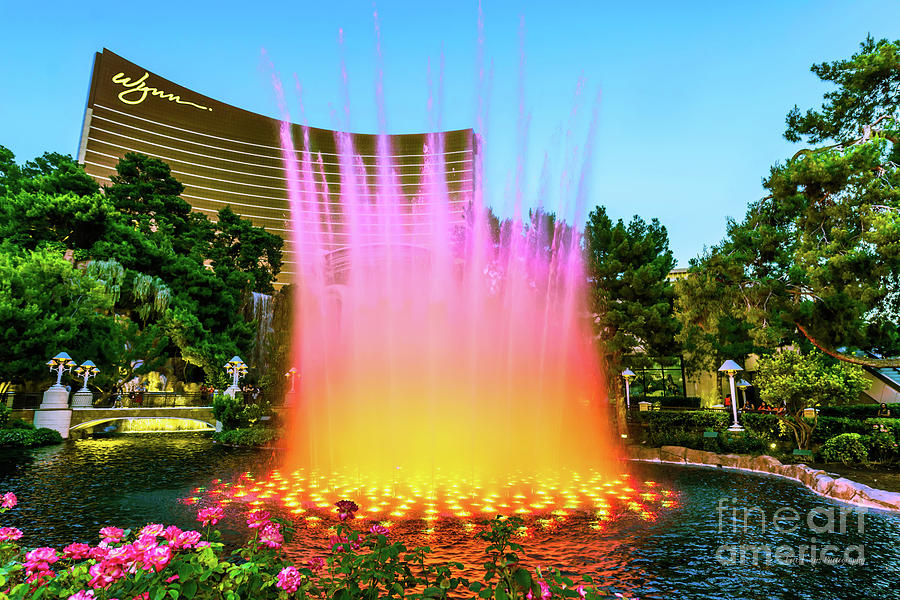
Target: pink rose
x=171, y=533
x=316, y=564
x=9, y=533
x=172, y=578
x=104, y=573
x=580, y=590
x=257, y=518
x=378, y=530
x=289, y=579
x=154, y=529
x=77, y=551
x=8, y=500
x=270, y=535
x=144, y=543
x=82, y=595
x=112, y=534
x=545, y=590
x=211, y=515
x=159, y=557
x=186, y=539
x=98, y=553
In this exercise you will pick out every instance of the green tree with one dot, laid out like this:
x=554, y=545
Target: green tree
x=631, y=297
x=817, y=261
x=795, y=381
x=46, y=307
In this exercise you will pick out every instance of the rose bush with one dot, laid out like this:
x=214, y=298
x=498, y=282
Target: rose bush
x=166, y=563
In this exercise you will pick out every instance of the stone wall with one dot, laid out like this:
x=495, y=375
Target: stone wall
x=816, y=480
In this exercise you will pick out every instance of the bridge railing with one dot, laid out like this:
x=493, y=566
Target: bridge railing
x=158, y=400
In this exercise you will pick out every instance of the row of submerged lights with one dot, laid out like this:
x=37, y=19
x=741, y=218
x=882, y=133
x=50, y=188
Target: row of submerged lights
x=729, y=367
x=310, y=497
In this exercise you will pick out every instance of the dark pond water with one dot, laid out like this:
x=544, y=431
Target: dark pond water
x=690, y=551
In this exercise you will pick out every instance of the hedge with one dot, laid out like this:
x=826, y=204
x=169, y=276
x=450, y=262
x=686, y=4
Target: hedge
x=680, y=401
x=29, y=438
x=255, y=436
x=858, y=411
x=724, y=443
x=694, y=420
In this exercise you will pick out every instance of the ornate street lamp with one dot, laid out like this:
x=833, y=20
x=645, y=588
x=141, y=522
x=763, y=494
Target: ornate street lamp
x=742, y=385
x=730, y=368
x=83, y=397
x=237, y=368
x=87, y=370
x=60, y=363
x=627, y=375
x=292, y=375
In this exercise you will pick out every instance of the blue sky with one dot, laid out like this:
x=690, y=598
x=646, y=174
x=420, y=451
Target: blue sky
x=693, y=95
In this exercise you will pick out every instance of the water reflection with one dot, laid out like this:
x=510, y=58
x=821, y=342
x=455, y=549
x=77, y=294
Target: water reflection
x=67, y=493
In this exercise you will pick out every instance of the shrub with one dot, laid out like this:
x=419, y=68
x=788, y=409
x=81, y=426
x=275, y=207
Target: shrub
x=889, y=426
x=680, y=401
x=257, y=436
x=360, y=565
x=17, y=423
x=881, y=446
x=227, y=410
x=25, y=438
x=846, y=448
x=746, y=443
x=765, y=426
x=693, y=420
x=858, y=411
x=829, y=427
x=4, y=415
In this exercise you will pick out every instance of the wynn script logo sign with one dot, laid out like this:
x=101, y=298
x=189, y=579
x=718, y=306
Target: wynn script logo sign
x=136, y=92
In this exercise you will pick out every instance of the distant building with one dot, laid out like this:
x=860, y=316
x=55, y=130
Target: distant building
x=226, y=156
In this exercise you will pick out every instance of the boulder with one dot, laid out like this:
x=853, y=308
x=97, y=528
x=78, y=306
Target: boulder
x=766, y=464
x=808, y=476
x=744, y=462
x=822, y=484
x=843, y=489
x=697, y=457
x=882, y=498
x=729, y=460
x=793, y=471
x=648, y=453
x=672, y=453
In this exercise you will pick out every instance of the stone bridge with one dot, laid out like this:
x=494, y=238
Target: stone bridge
x=84, y=418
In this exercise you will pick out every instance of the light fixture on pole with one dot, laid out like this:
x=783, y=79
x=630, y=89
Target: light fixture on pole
x=742, y=385
x=292, y=375
x=237, y=368
x=87, y=370
x=60, y=363
x=627, y=375
x=83, y=397
x=730, y=368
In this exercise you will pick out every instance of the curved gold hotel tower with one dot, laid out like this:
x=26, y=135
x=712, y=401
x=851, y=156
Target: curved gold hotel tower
x=226, y=156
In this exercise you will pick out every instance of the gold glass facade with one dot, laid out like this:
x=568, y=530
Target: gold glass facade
x=226, y=156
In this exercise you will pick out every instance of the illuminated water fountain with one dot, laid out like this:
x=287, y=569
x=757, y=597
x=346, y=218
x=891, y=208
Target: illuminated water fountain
x=439, y=360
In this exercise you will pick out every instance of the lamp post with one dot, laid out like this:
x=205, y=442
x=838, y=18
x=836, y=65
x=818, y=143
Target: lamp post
x=743, y=384
x=730, y=368
x=60, y=363
x=627, y=375
x=54, y=412
x=83, y=397
x=292, y=375
x=237, y=368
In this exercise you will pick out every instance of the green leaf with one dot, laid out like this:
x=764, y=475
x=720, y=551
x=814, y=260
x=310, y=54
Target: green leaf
x=500, y=593
x=189, y=588
x=476, y=586
x=432, y=592
x=523, y=579
x=157, y=592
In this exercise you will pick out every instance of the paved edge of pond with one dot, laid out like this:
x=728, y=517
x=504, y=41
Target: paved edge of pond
x=815, y=479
